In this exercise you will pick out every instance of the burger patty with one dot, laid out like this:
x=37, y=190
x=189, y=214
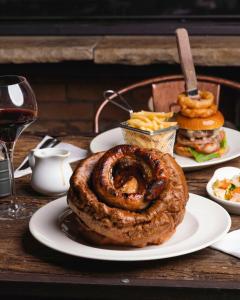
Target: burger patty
x=208, y=143
x=198, y=134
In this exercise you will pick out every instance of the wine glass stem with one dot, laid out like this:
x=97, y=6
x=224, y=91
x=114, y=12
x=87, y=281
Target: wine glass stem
x=15, y=210
x=9, y=152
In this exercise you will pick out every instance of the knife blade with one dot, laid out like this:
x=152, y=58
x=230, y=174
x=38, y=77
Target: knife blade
x=49, y=143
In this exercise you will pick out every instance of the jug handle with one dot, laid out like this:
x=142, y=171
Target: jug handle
x=31, y=159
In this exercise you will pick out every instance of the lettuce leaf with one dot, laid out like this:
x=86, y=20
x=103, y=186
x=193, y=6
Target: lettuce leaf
x=223, y=143
x=201, y=157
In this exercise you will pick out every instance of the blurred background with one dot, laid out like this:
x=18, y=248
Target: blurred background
x=71, y=51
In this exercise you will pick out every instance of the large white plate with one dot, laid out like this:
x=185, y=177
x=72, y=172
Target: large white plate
x=113, y=137
x=205, y=222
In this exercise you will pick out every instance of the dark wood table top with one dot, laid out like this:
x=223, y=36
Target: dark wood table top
x=28, y=268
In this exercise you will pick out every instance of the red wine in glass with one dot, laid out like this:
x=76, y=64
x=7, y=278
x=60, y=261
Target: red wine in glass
x=18, y=109
x=13, y=121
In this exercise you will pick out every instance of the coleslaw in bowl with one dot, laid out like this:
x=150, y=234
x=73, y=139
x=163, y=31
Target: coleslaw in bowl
x=224, y=188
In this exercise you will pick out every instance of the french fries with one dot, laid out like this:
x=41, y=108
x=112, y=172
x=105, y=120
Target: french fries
x=150, y=121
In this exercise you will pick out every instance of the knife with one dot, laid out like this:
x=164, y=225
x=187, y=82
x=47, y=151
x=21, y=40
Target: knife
x=186, y=60
x=49, y=143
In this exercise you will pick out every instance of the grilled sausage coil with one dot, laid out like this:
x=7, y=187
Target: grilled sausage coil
x=125, y=162
x=108, y=214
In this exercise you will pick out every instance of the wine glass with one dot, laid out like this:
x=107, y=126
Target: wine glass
x=18, y=109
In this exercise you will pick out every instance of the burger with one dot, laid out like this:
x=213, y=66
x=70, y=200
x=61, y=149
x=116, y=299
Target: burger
x=201, y=138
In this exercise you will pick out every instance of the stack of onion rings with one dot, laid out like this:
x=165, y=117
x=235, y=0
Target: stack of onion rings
x=202, y=108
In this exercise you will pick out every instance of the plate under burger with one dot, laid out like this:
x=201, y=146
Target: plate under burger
x=205, y=222
x=113, y=137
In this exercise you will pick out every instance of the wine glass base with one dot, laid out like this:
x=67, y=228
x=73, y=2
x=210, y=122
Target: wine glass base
x=16, y=212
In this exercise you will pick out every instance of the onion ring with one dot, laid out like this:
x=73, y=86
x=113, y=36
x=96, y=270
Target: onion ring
x=199, y=112
x=206, y=100
x=202, y=108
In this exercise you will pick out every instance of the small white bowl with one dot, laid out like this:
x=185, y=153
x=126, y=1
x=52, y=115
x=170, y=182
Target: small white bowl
x=221, y=173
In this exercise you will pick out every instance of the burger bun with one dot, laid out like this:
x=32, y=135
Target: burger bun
x=210, y=123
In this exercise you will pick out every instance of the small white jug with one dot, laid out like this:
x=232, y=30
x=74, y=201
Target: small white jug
x=50, y=171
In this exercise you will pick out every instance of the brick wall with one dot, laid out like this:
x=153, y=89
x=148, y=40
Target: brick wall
x=69, y=105
x=68, y=94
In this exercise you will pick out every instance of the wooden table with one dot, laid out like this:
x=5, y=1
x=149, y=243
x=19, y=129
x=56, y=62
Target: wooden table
x=28, y=268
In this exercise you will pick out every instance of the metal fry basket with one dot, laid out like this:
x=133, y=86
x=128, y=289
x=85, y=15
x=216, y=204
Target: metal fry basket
x=162, y=139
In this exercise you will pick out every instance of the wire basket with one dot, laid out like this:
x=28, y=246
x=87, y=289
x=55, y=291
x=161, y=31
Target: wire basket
x=162, y=139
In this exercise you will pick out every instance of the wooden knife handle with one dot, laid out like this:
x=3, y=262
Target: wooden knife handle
x=186, y=61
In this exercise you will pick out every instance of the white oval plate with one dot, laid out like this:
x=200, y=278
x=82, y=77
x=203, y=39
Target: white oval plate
x=205, y=222
x=113, y=137
x=221, y=173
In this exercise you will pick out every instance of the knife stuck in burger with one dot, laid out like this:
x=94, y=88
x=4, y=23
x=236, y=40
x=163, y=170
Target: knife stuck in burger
x=200, y=133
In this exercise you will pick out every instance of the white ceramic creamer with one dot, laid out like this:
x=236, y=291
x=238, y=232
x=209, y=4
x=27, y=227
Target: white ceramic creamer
x=51, y=171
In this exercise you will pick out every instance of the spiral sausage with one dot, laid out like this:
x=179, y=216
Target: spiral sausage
x=156, y=208
x=145, y=164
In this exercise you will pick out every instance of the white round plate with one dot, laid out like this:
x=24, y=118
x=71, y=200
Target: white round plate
x=220, y=174
x=205, y=222
x=113, y=137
